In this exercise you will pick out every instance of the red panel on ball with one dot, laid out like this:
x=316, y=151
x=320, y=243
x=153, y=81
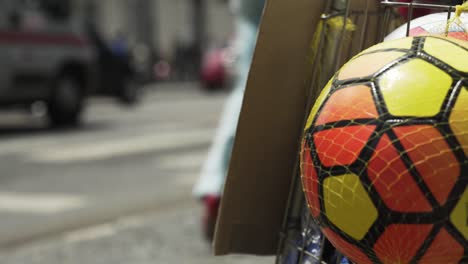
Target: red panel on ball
x=349, y=250
x=417, y=31
x=458, y=35
x=341, y=146
x=444, y=249
x=348, y=104
x=399, y=243
x=393, y=181
x=310, y=180
x=432, y=157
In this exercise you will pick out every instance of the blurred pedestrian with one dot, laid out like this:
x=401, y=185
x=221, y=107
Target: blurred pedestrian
x=247, y=14
x=119, y=45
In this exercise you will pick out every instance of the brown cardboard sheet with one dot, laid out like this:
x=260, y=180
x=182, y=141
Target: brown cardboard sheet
x=269, y=127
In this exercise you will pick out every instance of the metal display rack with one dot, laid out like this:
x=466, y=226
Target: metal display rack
x=300, y=239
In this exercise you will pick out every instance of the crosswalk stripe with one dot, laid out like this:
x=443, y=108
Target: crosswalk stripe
x=37, y=203
x=92, y=151
x=91, y=233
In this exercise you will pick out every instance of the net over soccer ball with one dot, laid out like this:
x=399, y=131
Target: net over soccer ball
x=433, y=24
x=384, y=155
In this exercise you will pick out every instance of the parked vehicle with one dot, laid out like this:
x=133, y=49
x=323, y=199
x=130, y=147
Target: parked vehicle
x=48, y=54
x=213, y=73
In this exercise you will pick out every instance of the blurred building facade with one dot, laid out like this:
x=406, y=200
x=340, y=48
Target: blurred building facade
x=160, y=24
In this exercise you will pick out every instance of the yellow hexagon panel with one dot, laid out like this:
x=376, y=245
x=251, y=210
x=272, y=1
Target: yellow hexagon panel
x=414, y=88
x=447, y=52
x=459, y=216
x=404, y=43
x=320, y=99
x=348, y=206
x=459, y=119
x=367, y=64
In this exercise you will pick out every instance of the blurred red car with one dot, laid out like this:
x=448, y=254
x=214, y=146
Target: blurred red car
x=214, y=70
x=419, y=12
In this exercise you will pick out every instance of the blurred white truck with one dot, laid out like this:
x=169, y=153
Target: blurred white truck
x=48, y=55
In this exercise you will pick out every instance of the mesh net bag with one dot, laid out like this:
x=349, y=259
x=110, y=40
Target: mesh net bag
x=384, y=165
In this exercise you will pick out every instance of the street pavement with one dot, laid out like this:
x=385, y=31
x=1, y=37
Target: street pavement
x=115, y=190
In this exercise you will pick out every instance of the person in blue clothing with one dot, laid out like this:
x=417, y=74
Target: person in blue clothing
x=119, y=45
x=209, y=187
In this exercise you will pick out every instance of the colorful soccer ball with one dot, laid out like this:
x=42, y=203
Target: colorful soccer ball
x=433, y=24
x=384, y=157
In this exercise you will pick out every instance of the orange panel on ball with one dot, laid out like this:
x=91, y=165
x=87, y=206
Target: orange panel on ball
x=351, y=251
x=393, y=181
x=367, y=64
x=444, y=249
x=432, y=157
x=399, y=243
x=341, y=146
x=348, y=104
x=310, y=180
x=420, y=31
x=458, y=35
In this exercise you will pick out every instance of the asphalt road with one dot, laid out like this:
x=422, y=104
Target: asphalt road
x=116, y=190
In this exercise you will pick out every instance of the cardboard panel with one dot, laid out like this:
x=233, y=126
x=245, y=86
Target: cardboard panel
x=269, y=129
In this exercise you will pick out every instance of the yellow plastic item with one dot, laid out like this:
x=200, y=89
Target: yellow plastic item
x=459, y=9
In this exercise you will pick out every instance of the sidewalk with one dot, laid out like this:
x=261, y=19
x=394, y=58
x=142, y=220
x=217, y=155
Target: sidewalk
x=165, y=236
